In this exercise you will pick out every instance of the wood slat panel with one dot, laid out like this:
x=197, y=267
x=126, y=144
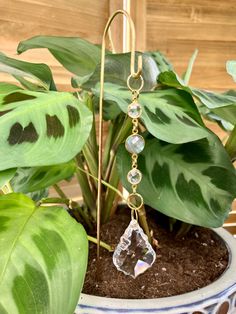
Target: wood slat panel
x=177, y=27
x=21, y=19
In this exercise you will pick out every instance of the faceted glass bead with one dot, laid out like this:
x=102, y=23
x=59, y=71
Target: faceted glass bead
x=135, y=144
x=134, y=254
x=134, y=110
x=134, y=176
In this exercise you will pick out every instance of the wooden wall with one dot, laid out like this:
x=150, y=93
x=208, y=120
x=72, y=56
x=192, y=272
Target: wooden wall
x=177, y=27
x=22, y=19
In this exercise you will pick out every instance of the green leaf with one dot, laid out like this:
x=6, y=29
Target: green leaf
x=38, y=178
x=231, y=69
x=223, y=105
x=40, y=129
x=43, y=258
x=161, y=61
x=33, y=76
x=117, y=70
x=77, y=55
x=6, y=176
x=169, y=115
x=194, y=182
x=7, y=88
x=188, y=72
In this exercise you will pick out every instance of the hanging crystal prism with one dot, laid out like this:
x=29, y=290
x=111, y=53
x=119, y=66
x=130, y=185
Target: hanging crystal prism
x=134, y=254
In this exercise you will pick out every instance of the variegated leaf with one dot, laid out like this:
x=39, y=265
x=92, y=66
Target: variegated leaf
x=223, y=105
x=38, y=178
x=33, y=76
x=43, y=258
x=169, y=115
x=194, y=182
x=117, y=70
x=77, y=55
x=6, y=176
x=39, y=129
x=7, y=88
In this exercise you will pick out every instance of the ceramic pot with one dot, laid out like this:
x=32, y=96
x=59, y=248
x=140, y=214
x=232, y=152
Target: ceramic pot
x=217, y=298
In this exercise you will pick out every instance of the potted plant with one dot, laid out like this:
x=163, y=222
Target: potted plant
x=48, y=136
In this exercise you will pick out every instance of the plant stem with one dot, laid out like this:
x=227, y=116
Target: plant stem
x=59, y=191
x=107, y=148
x=87, y=194
x=104, y=183
x=110, y=194
x=102, y=244
x=230, y=145
x=69, y=203
x=143, y=222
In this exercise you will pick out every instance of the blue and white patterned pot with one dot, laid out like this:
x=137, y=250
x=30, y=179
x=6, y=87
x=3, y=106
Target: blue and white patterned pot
x=217, y=298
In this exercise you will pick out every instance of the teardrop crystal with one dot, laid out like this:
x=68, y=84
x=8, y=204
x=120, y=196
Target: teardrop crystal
x=134, y=254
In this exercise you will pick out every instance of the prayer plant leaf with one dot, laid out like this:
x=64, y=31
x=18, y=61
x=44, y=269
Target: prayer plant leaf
x=161, y=61
x=117, y=70
x=38, y=178
x=231, y=68
x=223, y=105
x=185, y=181
x=40, y=129
x=170, y=115
x=77, y=55
x=33, y=76
x=6, y=176
x=43, y=258
x=7, y=88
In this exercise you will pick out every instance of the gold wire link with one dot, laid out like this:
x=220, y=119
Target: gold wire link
x=135, y=95
x=135, y=126
x=134, y=188
x=134, y=160
x=134, y=214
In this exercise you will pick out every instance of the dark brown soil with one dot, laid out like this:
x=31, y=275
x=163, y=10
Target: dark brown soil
x=183, y=264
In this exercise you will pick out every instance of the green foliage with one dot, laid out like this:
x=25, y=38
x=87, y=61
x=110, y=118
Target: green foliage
x=43, y=261
x=51, y=127
x=32, y=76
x=185, y=181
x=38, y=178
x=170, y=115
x=48, y=136
x=77, y=55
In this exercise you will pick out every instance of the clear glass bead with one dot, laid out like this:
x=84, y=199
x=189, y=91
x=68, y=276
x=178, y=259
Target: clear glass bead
x=134, y=176
x=135, y=144
x=134, y=110
x=134, y=254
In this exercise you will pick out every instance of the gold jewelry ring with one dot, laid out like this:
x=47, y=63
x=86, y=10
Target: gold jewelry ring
x=137, y=198
x=141, y=83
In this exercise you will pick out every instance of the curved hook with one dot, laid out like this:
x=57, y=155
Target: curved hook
x=134, y=74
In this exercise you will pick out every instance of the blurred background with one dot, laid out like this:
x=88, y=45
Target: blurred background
x=175, y=27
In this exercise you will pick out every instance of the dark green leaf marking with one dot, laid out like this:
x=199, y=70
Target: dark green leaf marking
x=216, y=173
x=186, y=121
x=54, y=126
x=190, y=191
x=195, y=152
x=13, y=97
x=50, y=245
x=158, y=116
x=4, y=112
x=19, y=135
x=73, y=114
x=36, y=293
